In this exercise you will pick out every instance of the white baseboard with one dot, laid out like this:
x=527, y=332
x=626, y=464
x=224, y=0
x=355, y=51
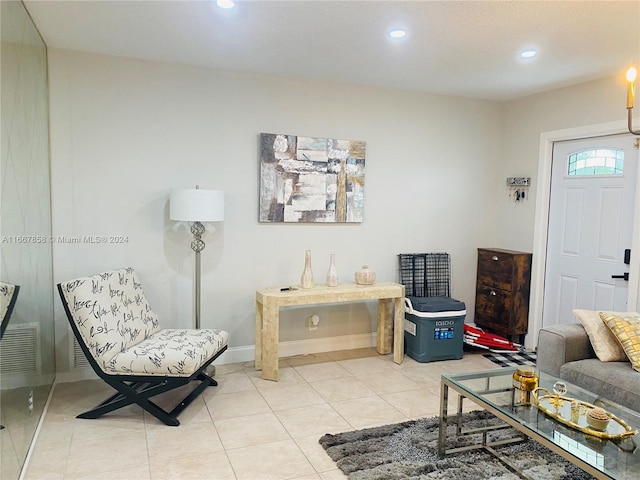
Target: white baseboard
x=247, y=353
x=299, y=347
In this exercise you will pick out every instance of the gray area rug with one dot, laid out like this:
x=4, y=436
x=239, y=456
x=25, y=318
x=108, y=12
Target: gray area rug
x=408, y=451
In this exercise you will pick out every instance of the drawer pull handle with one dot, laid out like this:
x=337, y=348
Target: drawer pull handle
x=492, y=293
x=494, y=258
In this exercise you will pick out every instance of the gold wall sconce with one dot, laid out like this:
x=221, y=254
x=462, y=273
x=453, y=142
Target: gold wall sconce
x=631, y=95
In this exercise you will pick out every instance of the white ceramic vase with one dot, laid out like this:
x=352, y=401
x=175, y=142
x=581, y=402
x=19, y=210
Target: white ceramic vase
x=332, y=274
x=364, y=276
x=306, y=281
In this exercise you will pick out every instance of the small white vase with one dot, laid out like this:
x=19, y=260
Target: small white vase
x=306, y=281
x=332, y=274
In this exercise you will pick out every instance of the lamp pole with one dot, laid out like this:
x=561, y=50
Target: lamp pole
x=197, y=245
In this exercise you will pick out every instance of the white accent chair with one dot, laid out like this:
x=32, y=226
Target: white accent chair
x=8, y=297
x=122, y=340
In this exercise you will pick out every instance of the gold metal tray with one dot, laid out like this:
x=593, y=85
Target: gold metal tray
x=559, y=408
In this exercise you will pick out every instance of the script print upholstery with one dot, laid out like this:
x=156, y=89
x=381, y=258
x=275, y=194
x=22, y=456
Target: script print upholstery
x=123, y=334
x=6, y=293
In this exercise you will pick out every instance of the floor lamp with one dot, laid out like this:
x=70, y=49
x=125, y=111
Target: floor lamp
x=197, y=206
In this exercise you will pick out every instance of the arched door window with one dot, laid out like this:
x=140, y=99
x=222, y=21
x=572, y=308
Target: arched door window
x=601, y=161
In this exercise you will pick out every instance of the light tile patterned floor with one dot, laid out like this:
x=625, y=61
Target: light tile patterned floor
x=246, y=428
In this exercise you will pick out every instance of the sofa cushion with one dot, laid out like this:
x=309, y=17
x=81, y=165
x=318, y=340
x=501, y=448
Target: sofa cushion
x=615, y=381
x=626, y=329
x=562, y=343
x=602, y=340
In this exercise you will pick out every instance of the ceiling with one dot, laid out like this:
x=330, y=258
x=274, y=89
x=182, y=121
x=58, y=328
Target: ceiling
x=460, y=48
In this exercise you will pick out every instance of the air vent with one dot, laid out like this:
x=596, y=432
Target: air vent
x=20, y=349
x=79, y=359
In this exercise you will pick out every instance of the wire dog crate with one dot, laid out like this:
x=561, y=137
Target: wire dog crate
x=425, y=274
x=433, y=327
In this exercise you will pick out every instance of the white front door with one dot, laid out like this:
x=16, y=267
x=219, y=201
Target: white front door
x=590, y=226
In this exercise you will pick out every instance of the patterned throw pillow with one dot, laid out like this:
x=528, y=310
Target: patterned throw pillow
x=626, y=329
x=602, y=340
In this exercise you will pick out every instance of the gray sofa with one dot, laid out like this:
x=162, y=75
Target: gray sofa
x=566, y=352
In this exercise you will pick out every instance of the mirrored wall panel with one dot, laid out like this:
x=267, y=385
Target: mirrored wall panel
x=27, y=362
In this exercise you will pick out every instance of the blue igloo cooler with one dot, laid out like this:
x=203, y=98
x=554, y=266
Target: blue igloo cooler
x=434, y=328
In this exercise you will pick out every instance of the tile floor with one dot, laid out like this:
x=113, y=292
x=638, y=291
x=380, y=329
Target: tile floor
x=246, y=427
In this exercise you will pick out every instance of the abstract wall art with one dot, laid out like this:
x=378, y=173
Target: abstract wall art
x=311, y=180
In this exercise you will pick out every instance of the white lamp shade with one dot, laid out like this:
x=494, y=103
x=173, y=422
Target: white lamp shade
x=196, y=205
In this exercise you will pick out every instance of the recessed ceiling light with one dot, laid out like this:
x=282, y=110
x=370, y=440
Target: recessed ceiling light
x=397, y=33
x=528, y=53
x=225, y=3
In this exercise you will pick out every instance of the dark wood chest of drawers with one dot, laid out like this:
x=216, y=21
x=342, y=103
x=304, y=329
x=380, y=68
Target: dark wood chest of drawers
x=502, y=292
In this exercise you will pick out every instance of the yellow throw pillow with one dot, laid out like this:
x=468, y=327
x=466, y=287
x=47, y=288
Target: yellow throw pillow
x=626, y=329
x=602, y=340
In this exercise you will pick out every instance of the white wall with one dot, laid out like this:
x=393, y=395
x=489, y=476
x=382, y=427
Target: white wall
x=526, y=119
x=124, y=132
x=591, y=107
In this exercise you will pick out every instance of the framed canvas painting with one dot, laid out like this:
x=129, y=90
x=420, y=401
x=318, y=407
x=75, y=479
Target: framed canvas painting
x=310, y=179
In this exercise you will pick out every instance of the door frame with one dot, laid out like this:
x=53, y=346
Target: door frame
x=543, y=196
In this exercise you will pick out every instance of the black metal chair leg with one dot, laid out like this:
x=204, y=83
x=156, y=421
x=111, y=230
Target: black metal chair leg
x=206, y=378
x=139, y=394
x=190, y=398
x=166, y=418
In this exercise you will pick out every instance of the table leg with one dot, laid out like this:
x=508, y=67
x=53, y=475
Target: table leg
x=270, y=338
x=398, y=330
x=444, y=406
x=383, y=339
x=258, y=335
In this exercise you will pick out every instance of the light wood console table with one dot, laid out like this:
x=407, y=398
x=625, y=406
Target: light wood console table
x=269, y=300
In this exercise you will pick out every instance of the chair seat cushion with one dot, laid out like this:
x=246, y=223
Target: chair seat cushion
x=169, y=352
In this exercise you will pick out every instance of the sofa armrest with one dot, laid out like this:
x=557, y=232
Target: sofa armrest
x=559, y=344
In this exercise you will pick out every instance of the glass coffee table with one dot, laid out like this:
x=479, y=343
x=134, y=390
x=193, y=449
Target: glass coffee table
x=492, y=390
